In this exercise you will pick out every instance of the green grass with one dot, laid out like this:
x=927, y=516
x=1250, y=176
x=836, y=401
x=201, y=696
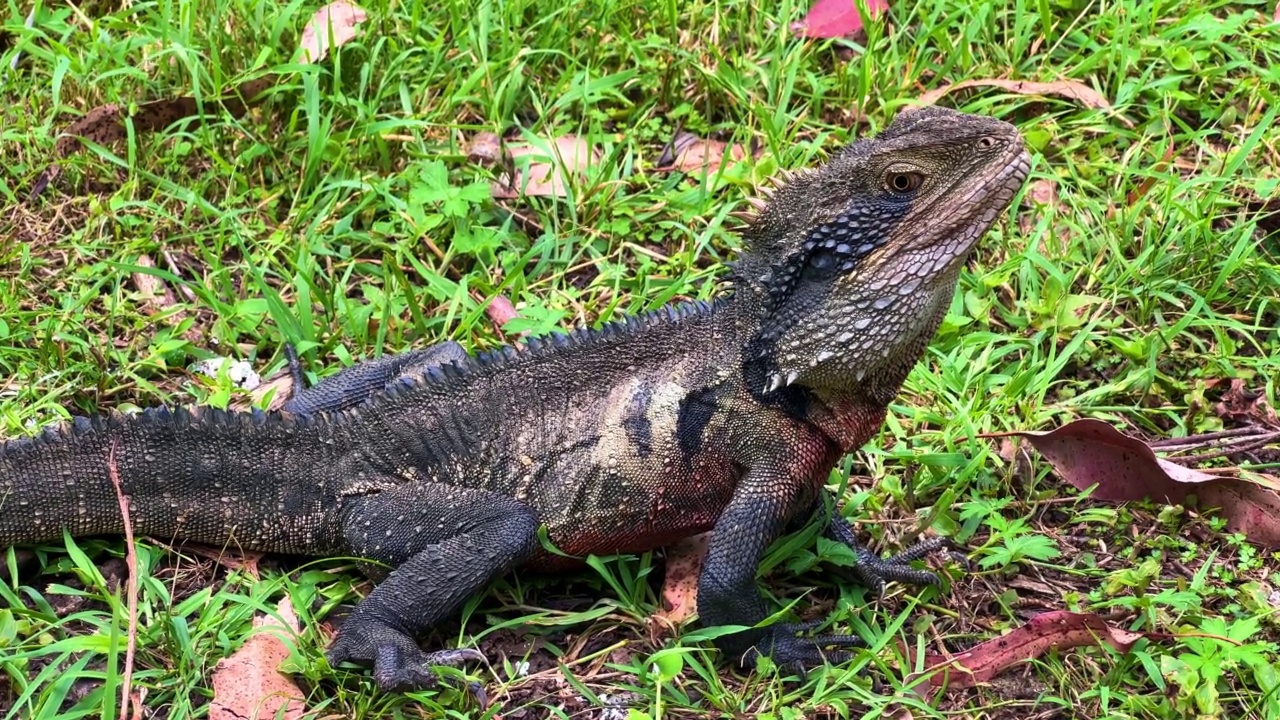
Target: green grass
x=318, y=219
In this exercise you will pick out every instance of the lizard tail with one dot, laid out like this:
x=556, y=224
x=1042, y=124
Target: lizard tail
x=196, y=474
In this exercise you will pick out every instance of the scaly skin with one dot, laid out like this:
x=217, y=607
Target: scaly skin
x=727, y=416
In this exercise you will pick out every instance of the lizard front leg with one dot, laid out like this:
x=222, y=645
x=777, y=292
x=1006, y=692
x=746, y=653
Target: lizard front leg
x=875, y=572
x=445, y=543
x=762, y=506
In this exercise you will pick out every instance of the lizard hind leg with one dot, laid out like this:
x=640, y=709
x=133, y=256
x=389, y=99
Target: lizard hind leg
x=445, y=543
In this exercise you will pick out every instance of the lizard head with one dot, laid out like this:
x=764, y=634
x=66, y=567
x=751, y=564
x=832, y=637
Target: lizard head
x=853, y=264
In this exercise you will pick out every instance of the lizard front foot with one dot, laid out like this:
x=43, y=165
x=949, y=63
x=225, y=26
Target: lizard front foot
x=875, y=572
x=786, y=648
x=399, y=665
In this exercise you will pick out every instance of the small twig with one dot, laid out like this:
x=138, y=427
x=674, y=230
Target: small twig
x=172, y=264
x=1195, y=440
x=131, y=562
x=1220, y=451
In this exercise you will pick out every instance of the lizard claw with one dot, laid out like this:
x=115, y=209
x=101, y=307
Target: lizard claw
x=875, y=572
x=399, y=665
x=786, y=648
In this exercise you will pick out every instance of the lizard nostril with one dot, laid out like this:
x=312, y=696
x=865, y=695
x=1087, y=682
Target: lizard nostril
x=986, y=143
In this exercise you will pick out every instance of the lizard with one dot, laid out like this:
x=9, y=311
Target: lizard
x=725, y=415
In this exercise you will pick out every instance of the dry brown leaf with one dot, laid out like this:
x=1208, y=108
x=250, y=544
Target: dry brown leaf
x=1239, y=404
x=1088, y=453
x=551, y=164
x=105, y=124
x=680, y=585
x=689, y=153
x=1142, y=188
x=158, y=298
x=1043, y=191
x=248, y=685
x=485, y=149
x=1069, y=89
x=1058, y=630
x=1042, y=194
x=246, y=560
x=339, y=17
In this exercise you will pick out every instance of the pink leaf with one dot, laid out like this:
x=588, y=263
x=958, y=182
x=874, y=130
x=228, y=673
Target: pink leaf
x=500, y=310
x=1088, y=453
x=836, y=18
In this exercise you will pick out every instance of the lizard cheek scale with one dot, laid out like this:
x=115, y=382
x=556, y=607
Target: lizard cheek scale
x=443, y=469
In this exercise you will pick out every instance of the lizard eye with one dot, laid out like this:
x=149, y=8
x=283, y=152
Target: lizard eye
x=903, y=182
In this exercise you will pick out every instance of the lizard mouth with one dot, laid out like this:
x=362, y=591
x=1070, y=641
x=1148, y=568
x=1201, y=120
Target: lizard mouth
x=956, y=221
x=973, y=212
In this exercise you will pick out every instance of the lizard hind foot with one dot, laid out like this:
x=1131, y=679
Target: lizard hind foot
x=395, y=670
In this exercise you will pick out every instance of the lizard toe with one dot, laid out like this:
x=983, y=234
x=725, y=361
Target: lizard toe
x=787, y=649
x=398, y=663
x=398, y=668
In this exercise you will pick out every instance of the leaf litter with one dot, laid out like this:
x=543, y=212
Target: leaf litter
x=1067, y=89
x=545, y=167
x=331, y=26
x=690, y=153
x=1056, y=630
x=1092, y=455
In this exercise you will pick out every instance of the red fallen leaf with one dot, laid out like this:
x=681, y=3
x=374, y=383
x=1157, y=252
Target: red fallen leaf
x=1059, y=630
x=249, y=685
x=680, y=586
x=500, y=310
x=1090, y=452
x=836, y=18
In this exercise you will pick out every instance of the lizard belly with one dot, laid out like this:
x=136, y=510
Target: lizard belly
x=631, y=483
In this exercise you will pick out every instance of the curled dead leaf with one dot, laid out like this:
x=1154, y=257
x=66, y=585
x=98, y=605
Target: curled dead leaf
x=1057, y=630
x=500, y=310
x=1069, y=89
x=485, y=149
x=689, y=153
x=1242, y=405
x=1092, y=454
x=338, y=21
x=549, y=166
x=1043, y=191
